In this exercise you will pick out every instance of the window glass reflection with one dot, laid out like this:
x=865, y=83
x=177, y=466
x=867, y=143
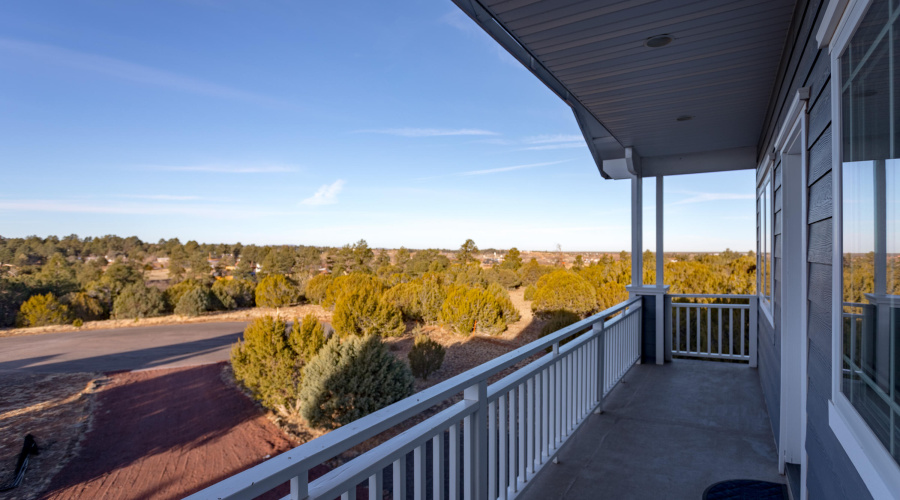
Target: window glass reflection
x=870, y=227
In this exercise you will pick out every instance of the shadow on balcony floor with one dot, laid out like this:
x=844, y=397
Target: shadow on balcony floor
x=668, y=432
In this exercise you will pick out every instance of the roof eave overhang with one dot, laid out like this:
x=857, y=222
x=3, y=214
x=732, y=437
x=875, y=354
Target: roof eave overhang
x=600, y=141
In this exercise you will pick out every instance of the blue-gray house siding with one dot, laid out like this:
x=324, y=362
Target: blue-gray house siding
x=830, y=473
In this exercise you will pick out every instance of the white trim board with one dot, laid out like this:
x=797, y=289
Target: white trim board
x=791, y=144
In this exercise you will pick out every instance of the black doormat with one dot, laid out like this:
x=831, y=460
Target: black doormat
x=746, y=489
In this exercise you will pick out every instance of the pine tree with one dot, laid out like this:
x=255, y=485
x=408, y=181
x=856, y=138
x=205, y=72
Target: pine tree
x=317, y=287
x=307, y=337
x=466, y=253
x=265, y=364
x=276, y=290
x=564, y=291
x=351, y=378
x=139, y=301
x=364, y=312
x=194, y=302
x=42, y=310
x=578, y=265
x=426, y=357
x=512, y=260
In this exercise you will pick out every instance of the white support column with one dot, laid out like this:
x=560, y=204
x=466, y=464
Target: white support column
x=637, y=216
x=663, y=334
x=660, y=260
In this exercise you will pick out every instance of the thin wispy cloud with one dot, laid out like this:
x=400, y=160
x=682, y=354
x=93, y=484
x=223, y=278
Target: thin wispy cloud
x=705, y=197
x=429, y=132
x=566, y=145
x=67, y=206
x=552, y=139
x=125, y=70
x=224, y=169
x=557, y=141
x=540, y=142
x=498, y=170
x=326, y=195
x=163, y=197
x=512, y=168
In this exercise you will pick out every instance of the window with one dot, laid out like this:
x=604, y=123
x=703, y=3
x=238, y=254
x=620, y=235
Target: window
x=870, y=228
x=864, y=413
x=764, y=205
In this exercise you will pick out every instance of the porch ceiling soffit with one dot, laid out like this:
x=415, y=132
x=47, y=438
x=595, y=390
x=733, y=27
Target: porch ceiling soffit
x=716, y=77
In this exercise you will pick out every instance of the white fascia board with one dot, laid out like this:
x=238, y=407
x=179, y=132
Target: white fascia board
x=700, y=162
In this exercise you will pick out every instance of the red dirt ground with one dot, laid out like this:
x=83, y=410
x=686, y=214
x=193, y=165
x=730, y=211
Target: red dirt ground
x=166, y=434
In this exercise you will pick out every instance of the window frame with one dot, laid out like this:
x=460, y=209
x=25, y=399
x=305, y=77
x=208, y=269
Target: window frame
x=875, y=465
x=764, y=187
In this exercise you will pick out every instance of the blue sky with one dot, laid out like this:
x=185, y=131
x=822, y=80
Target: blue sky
x=295, y=122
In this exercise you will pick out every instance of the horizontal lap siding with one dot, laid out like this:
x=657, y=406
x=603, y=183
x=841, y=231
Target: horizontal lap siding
x=830, y=473
x=769, y=353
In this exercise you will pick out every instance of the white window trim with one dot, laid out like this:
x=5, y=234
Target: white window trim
x=766, y=174
x=793, y=136
x=878, y=470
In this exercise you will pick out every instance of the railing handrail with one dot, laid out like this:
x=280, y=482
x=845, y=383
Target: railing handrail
x=281, y=468
x=709, y=296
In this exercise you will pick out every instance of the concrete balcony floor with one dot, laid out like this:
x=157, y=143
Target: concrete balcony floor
x=667, y=431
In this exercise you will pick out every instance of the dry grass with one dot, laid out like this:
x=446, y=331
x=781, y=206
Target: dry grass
x=56, y=410
x=212, y=317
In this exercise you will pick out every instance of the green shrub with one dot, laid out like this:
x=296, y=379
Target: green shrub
x=510, y=313
x=78, y=323
x=507, y=278
x=267, y=366
x=610, y=294
x=234, y=293
x=467, y=310
x=139, y=301
x=42, y=310
x=557, y=320
x=360, y=283
x=420, y=299
x=532, y=272
x=174, y=293
x=307, y=337
x=317, y=286
x=364, y=312
x=426, y=357
x=276, y=290
x=471, y=275
x=564, y=291
x=529, y=292
x=194, y=302
x=351, y=378
x=405, y=296
x=85, y=307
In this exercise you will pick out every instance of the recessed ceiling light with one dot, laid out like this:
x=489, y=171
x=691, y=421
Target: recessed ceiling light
x=684, y=118
x=655, y=42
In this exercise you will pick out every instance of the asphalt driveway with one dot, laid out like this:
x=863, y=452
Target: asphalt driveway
x=164, y=346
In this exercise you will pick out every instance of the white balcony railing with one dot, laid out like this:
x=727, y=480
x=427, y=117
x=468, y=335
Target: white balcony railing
x=490, y=444
x=714, y=326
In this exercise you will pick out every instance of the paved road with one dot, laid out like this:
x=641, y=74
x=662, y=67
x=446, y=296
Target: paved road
x=121, y=348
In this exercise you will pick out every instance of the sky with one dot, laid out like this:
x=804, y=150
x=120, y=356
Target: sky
x=276, y=122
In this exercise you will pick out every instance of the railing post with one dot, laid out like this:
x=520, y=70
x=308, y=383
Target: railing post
x=475, y=441
x=300, y=485
x=600, y=332
x=667, y=325
x=754, y=329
